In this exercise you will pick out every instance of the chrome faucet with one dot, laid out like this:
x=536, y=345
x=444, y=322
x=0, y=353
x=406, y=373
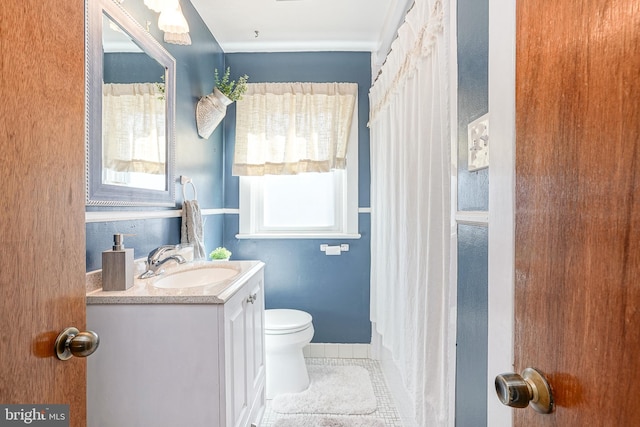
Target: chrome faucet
x=157, y=259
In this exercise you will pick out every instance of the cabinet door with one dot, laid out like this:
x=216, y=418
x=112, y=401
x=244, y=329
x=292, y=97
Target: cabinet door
x=237, y=392
x=244, y=354
x=255, y=345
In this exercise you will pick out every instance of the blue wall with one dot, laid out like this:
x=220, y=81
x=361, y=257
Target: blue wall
x=129, y=67
x=471, y=365
x=197, y=158
x=473, y=195
x=473, y=97
x=333, y=289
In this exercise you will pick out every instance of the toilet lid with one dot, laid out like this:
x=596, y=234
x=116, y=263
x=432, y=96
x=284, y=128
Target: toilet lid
x=283, y=320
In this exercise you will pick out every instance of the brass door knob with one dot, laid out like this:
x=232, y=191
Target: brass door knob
x=71, y=342
x=518, y=391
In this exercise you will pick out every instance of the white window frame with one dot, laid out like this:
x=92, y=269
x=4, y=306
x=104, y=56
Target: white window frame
x=251, y=202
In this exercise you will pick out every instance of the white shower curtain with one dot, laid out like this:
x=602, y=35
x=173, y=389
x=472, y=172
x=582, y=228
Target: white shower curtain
x=410, y=209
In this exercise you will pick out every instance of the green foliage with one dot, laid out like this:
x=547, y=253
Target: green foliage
x=161, y=88
x=231, y=88
x=220, y=253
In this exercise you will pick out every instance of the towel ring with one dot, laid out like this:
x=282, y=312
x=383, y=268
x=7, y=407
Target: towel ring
x=184, y=181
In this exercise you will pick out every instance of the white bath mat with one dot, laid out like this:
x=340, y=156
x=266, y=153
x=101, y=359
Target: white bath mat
x=343, y=390
x=324, y=421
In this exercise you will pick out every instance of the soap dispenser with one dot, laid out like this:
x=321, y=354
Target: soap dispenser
x=117, y=266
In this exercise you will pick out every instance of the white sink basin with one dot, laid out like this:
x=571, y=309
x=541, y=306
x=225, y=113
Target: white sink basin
x=195, y=277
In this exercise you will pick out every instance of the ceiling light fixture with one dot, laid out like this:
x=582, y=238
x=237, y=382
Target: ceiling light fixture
x=171, y=21
x=160, y=5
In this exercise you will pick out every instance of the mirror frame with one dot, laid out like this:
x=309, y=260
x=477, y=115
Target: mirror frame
x=98, y=193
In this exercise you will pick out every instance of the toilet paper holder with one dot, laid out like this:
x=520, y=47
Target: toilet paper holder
x=334, y=249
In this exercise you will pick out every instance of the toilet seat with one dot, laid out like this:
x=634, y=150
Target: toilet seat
x=286, y=321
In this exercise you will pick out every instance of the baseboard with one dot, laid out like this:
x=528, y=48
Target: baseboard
x=339, y=351
x=392, y=377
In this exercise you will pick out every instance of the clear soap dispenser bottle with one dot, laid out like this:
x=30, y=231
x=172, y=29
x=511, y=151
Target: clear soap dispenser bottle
x=117, y=266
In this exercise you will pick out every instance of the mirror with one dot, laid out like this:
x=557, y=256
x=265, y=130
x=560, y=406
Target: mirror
x=130, y=111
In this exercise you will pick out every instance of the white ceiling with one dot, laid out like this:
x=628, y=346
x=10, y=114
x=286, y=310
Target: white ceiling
x=302, y=25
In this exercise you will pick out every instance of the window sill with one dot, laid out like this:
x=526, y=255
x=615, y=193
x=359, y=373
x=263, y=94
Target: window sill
x=298, y=236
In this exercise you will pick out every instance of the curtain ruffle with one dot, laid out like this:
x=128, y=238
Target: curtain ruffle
x=416, y=39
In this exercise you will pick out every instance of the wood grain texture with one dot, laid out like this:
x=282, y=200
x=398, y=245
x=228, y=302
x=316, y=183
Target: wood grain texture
x=42, y=174
x=578, y=207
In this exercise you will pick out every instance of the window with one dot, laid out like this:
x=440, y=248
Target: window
x=304, y=204
x=307, y=205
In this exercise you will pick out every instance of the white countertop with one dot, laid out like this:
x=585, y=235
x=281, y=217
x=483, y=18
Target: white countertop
x=143, y=291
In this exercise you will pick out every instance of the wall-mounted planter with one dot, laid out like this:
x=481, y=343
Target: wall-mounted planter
x=210, y=111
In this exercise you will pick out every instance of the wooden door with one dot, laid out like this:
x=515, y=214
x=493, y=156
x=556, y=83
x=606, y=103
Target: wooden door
x=42, y=225
x=577, y=260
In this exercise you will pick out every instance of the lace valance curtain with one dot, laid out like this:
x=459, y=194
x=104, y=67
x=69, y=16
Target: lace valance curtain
x=290, y=128
x=133, y=123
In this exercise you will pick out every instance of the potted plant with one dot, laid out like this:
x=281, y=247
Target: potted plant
x=220, y=254
x=212, y=108
x=232, y=89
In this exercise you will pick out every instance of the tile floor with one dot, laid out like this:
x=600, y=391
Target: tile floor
x=386, y=410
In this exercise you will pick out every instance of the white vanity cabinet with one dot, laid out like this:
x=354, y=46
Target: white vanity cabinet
x=178, y=363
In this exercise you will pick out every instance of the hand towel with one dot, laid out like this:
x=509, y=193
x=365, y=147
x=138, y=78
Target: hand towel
x=192, y=227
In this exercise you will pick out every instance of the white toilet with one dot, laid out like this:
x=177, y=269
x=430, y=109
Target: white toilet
x=286, y=334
